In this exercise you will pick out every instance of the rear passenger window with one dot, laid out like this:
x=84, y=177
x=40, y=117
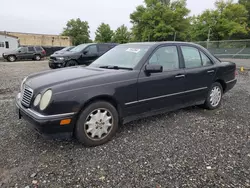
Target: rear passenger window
x=167, y=57
x=103, y=48
x=92, y=50
x=30, y=49
x=38, y=48
x=191, y=57
x=205, y=60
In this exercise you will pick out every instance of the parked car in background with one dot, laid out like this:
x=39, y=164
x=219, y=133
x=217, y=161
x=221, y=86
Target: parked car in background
x=66, y=49
x=83, y=54
x=21, y=53
x=130, y=81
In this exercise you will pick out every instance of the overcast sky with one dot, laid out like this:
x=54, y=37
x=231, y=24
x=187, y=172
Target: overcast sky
x=50, y=16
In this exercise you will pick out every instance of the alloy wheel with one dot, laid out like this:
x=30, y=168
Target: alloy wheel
x=98, y=124
x=215, y=96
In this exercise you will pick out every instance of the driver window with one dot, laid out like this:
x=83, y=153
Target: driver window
x=167, y=57
x=92, y=50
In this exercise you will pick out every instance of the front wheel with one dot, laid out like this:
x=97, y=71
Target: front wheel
x=97, y=124
x=11, y=58
x=214, y=97
x=71, y=63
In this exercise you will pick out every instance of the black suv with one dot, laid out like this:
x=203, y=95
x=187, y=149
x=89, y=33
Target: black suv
x=30, y=52
x=83, y=54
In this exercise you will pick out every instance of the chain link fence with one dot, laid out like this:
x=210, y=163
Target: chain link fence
x=238, y=49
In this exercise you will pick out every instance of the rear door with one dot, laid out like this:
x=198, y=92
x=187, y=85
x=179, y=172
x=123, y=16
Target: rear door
x=30, y=53
x=22, y=53
x=199, y=72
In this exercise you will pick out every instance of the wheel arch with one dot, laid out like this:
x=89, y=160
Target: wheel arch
x=106, y=98
x=222, y=83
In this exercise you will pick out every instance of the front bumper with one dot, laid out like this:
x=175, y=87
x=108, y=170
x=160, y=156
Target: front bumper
x=46, y=125
x=53, y=64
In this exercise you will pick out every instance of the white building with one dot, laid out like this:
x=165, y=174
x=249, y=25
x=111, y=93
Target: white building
x=7, y=43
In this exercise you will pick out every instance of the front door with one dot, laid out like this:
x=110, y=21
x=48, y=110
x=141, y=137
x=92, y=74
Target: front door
x=89, y=55
x=199, y=71
x=22, y=53
x=163, y=90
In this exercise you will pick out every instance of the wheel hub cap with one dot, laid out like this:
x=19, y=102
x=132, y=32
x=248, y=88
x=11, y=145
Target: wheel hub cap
x=99, y=124
x=215, y=96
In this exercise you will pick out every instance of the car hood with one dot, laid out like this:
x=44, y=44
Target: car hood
x=64, y=54
x=64, y=76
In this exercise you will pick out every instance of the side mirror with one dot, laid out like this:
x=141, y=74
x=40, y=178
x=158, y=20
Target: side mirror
x=19, y=51
x=153, y=68
x=85, y=52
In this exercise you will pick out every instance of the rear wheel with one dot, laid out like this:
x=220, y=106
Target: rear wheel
x=71, y=63
x=214, y=97
x=11, y=58
x=37, y=57
x=97, y=124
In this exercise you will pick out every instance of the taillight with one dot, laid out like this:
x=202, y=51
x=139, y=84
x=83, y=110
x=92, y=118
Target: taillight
x=43, y=52
x=236, y=73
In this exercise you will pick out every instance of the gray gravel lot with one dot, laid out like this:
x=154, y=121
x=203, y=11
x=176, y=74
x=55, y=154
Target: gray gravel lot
x=192, y=147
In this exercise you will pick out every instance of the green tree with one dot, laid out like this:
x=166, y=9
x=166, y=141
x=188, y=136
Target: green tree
x=78, y=30
x=103, y=33
x=246, y=3
x=227, y=21
x=160, y=20
x=121, y=35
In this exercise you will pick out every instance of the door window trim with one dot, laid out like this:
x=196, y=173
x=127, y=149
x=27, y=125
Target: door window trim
x=164, y=71
x=199, y=50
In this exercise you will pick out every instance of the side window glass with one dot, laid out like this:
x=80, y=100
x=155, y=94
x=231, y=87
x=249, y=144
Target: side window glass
x=92, y=50
x=103, y=48
x=23, y=50
x=7, y=44
x=30, y=49
x=205, y=60
x=167, y=57
x=191, y=57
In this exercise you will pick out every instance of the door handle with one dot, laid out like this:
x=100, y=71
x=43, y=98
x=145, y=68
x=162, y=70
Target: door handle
x=180, y=76
x=210, y=71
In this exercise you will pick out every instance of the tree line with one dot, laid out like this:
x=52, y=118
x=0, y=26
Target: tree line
x=165, y=20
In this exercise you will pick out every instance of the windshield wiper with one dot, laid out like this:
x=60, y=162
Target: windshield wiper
x=115, y=67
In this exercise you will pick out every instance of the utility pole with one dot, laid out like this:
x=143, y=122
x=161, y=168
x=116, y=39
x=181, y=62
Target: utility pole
x=208, y=36
x=175, y=35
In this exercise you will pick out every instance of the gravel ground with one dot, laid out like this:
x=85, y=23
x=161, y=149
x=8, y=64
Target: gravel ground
x=188, y=148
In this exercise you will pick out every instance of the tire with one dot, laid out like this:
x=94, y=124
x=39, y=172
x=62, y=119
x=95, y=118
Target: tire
x=11, y=58
x=212, y=103
x=37, y=57
x=88, y=133
x=71, y=63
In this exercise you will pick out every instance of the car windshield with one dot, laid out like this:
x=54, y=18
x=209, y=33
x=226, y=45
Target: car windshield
x=126, y=56
x=79, y=48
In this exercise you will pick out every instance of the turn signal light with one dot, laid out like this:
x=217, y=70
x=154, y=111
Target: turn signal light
x=65, y=121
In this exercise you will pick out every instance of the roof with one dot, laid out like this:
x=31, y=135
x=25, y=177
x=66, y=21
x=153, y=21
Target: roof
x=5, y=34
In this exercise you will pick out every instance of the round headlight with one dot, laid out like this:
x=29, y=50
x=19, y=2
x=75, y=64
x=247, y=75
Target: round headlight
x=45, y=99
x=37, y=99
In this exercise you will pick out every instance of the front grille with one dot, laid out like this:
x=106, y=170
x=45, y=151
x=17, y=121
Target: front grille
x=27, y=94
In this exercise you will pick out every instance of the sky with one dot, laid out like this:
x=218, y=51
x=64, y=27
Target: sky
x=50, y=16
